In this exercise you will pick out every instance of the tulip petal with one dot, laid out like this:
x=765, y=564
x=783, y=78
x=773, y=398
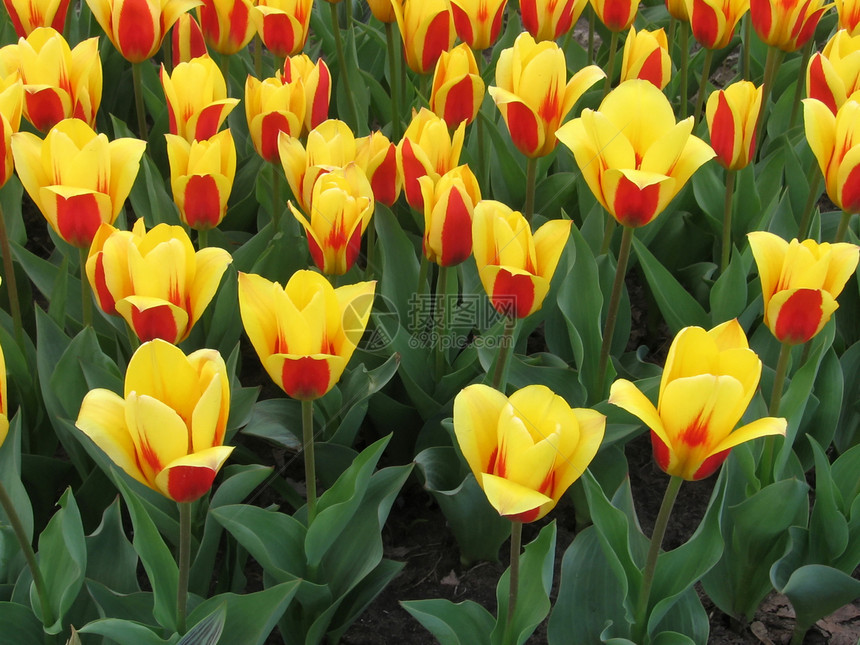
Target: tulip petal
x=158, y=431
x=102, y=419
x=796, y=315
x=189, y=477
x=305, y=377
x=509, y=498
x=477, y=409
x=628, y=397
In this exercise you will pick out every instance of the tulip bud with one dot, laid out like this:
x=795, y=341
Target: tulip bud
x=427, y=29
x=196, y=95
x=835, y=142
x=849, y=16
x=732, y=114
x=646, y=56
x=187, y=40
x=678, y=10
x=458, y=89
x=478, y=22
x=28, y=15
x=226, y=24
x=786, y=24
x=11, y=106
x=382, y=10
x=316, y=78
x=283, y=25
x=714, y=21
x=448, y=208
x=377, y=156
x=273, y=106
x=549, y=19
x=833, y=75
x=617, y=15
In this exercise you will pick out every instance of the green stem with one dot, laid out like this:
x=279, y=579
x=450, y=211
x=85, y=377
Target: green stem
x=11, y=281
x=843, y=227
x=669, y=497
x=310, y=463
x=774, y=56
x=685, y=64
x=370, y=268
x=747, y=47
x=225, y=70
x=184, y=564
x=531, y=181
x=610, y=65
x=29, y=555
x=673, y=25
x=591, y=15
x=703, y=84
x=614, y=303
x=727, y=221
x=800, y=85
x=258, y=56
x=138, y=100
x=505, y=347
x=812, y=198
x=344, y=73
x=441, y=319
x=276, y=198
x=392, y=74
x=608, y=231
x=202, y=238
x=482, y=165
x=423, y=270
x=167, y=53
x=773, y=410
x=516, y=547
x=86, y=298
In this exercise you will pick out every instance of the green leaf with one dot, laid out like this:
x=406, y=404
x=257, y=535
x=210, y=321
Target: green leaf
x=399, y=263
x=111, y=559
x=135, y=607
x=828, y=527
x=10, y=477
x=123, y=631
x=672, y=638
x=729, y=293
x=207, y=631
x=18, y=625
x=466, y=623
x=816, y=590
x=277, y=420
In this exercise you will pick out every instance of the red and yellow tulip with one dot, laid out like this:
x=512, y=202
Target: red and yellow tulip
x=316, y=78
x=714, y=21
x=732, y=114
x=448, y=208
x=549, y=19
x=646, y=56
x=305, y=332
x=427, y=30
x=377, y=156
x=678, y=10
x=458, y=89
x=617, y=15
x=478, y=22
x=533, y=94
x=708, y=381
x=273, y=106
x=196, y=95
x=800, y=282
x=11, y=107
x=833, y=75
x=835, y=141
x=786, y=24
x=525, y=451
x=382, y=10
x=77, y=178
x=283, y=25
x=634, y=161
x=187, y=40
x=27, y=15
x=167, y=429
x=849, y=16
x=154, y=279
x=515, y=266
x=226, y=24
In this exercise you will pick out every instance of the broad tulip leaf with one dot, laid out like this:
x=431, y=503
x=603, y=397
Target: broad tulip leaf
x=111, y=559
x=685, y=617
x=124, y=631
x=18, y=625
x=848, y=429
x=828, y=527
x=824, y=407
x=277, y=420
x=729, y=293
x=817, y=590
x=844, y=472
x=465, y=623
x=135, y=607
x=672, y=638
x=507, y=168
x=709, y=187
x=10, y=477
x=399, y=263
x=207, y=631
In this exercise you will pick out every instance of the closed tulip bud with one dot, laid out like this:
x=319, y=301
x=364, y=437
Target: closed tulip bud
x=448, y=208
x=305, y=332
x=283, y=25
x=458, y=89
x=427, y=29
x=708, y=381
x=377, y=156
x=382, y=10
x=533, y=93
x=154, y=279
x=137, y=27
x=515, y=266
x=833, y=75
x=201, y=178
x=27, y=15
x=800, y=282
x=196, y=95
x=525, y=451
x=549, y=19
x=316, y=78
x=849, y=16
x=273, y=106
x=11, y=106
x=646, y=56
x=678, y=10
x=732, y=114
x=167, y=429
x=478, y=22
x=787, y=24
x=340, y=209
x=634, y=162
x=835, y=142
x=427, y=148
x=187, y=40
x=617, y=15
x=714, y=21
x=226, y=24
x=77, y=178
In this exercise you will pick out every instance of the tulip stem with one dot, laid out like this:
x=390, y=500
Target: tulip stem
x=608, y=231
x=531, y=180
x=310, y=464
x=184, y=564
x=202, y=239
x=86, y=298
x=703, y=84
x=138, y=100
x=225, y=70
x=766, y=474
x=640, y=627
x=11, y=282
x=505, y=347
x=800, y=85
x=591, y=15
x=843, y=227
x=276, y=199
x=774, y=57
x=370, y=267
x=516, y=547
x=727, y=221
x=423, y=270
x=344, y=73
x=441, y=319
x=685, y=60
x=746, y=45
x=610, y=65
x=482, y=165
x=815, y=183
x=258, y=56
x=29, y=555
x=614, y=302
x=393, y=78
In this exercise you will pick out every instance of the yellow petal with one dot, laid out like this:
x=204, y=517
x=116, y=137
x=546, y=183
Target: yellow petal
x=510, y=498
x=477, y=409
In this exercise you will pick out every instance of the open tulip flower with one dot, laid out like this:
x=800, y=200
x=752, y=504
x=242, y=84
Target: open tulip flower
x=27, y=15
x=634, y=161
x=448, y=208
x=525, y=451
x=833, y=75
x=427, y=29
x=646, y=56
x=732, y=114
x=714, y=21
x=787, y=24
x=708, y=381
x=187, y=40
x=550, y=19
x=11, y=105
x=137, y=27
x=305, y=332
x=533, y=94
x=226, y=24
x=283, y=25
x=167, y=429
x=196, y=95
x=76, y=177
x=849, y=16
x=316, y=78
x=515, y=266
x=835, y=141
x=478, y=22
x=800, y=282
x=201, y=177
x=273, y=106
x=617, y=15
x=154, y=279
x=458, y=89
x=377, y=156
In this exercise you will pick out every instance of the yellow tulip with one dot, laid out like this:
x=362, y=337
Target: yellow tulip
x=283, y=25
x=196, y=96
x=835, y=142
x=849, y=15
x=306, y=332
x=713, y=21
x=226, y=24
x=377, y=156
x=11, y=106
x=786, y=24
x=187, y=40
x=316, y=79
x=28, y=15
x=617, y=15
x=550, y=19
x=457, y=90
x=646, y=56
x=732, y=114
x=478, y=22
x=448, y=208
x=708, y=381
x=76, y=177
x=273, y=106
x=427, y=29
x=833, y=75
x=168, y=429
x=525, y=451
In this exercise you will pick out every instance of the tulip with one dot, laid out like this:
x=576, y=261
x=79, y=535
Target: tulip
x=137, y=27
x=835, y=141
x=154, y=279
x=11, y=106
x=196, y=95
x=458, y=89
x=76, y=178
x=167, y=430
x=478, y=22
x=549, y=19
x=708, y=381
x=201, y=177
x=634, y=161
x=427, y=29
x=382, y=10
x=646, y=56
x=427, y=149
x=273, y=106
x=533, y=93
x=515, y=266
x=283, y=25
x=714, y=21
x=833, y=75
x=678, y=10
x=448, y=208
x=377, y=156
x=786, y=24
x=340, y=208
x=800, y=282
x=28, y=15
x=187, y=40
x=305, y=332
x=525, y=451
x=617, y=15
x=316, y=78
x=732, y=114
x=849, y=16
x=226, y=24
